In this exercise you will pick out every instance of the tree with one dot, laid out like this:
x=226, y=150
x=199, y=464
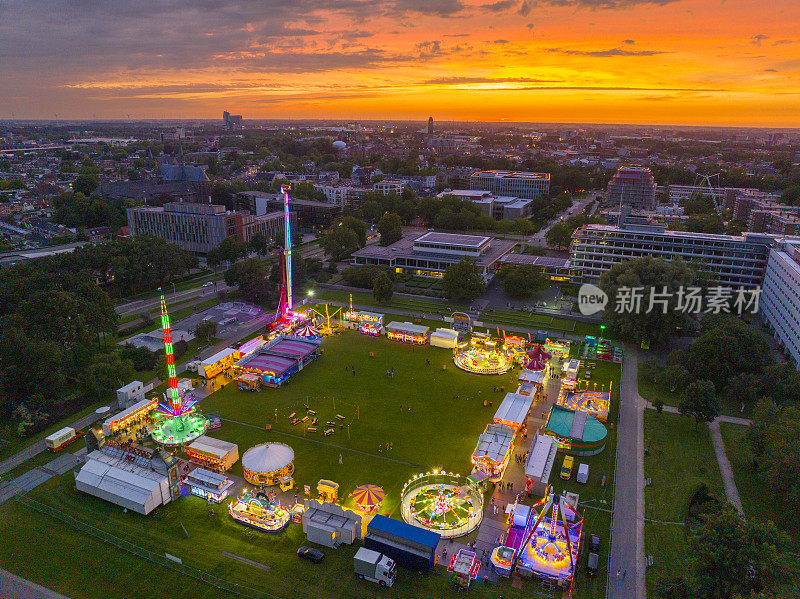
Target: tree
x=253, y=279
x=205, y=330
x=744, y=388
x=522, y=280
x=463, y=281
x=390, y=228
x=259, y=244
x=675, y=377
x=85, y=184
x=358, y=226
x=213, y=258
x=339, y=242
x=364, y=276
x=382, y=288
x=560, y=234
x=105, y=374
x=700, y=401
x=776, y=455
x=732, y=557
x=231, y=249
x=639, y=278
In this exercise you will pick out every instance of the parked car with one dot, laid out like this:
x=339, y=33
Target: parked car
x=207, y=284
x=566, y=467
x=591, y=564
x=311, y=554
x=594, y=543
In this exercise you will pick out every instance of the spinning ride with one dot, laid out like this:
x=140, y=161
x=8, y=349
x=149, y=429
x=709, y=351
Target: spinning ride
x=537, y=359
x=550, y=548
x=482, y=355
x=257, y=511
x=176, y=421
x=448, y=504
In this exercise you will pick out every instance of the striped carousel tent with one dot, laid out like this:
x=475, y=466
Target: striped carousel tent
x=368, y=496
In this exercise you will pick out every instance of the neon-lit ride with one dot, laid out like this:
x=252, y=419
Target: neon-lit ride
x=258, y=512
x=175, y=421
x=482, y=355
x=537, y=359
x=463, y=568
x=551, y=543
x=594, y=403
x=286, y=316
x=449, y=504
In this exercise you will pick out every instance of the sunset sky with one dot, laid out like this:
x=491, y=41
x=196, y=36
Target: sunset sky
x=733, y=62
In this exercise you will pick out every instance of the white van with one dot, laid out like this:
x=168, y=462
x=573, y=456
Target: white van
x=583, y=473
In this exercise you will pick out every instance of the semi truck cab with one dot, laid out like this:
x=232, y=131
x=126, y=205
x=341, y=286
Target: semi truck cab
x=375, y=567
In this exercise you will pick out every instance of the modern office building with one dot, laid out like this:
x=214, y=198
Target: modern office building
x=780, y=296
x=429, y=254
x=498, y=207
x=729, y=260
x=634, y=186
x=512, y=183
x=232, y=121
x=194, y=227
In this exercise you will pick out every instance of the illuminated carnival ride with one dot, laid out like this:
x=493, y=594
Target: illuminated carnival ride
x=176, y=421
x=537, y=359
x=482, y=355
x=449, y=504
x=542, y=543
x=259, y=512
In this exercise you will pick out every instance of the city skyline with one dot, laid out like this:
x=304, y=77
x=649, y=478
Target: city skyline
x=666, y=62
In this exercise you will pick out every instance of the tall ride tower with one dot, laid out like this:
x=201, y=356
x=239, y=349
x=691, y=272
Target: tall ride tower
x=176, y=421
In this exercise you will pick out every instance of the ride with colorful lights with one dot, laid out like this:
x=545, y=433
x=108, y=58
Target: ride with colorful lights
x=175, y=421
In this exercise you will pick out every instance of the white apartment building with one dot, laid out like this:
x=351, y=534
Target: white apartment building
x=517, y=184
x=387, y=187
x=780, y=296
x=732, y=261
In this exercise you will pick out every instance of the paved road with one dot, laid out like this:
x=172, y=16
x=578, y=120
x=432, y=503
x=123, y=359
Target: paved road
x=153, y=303
x=627, y=534
x=23, y=456
x=15, y=587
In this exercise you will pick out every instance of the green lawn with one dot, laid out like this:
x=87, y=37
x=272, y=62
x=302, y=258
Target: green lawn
x=679, y=460
x=652, y=392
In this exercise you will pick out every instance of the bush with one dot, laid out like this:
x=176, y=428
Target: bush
x=364, y=276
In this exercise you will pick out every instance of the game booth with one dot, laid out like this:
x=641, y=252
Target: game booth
x=407, y=332
x=248, y=381
x=213, y=454
x=268, y=463
x=515, y=347
x=463, y=568
x=258, y=512
x=219, y=362
x=557, y=347
x=513, y=412
x=368, y=323
x=530, y=382
x=482, y=355
x=277, y=361
x=493, y=451
x=211, y=486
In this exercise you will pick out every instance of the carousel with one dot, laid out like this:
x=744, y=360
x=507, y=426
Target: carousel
x=368, y=498
x=260, y=512
x=482, y=355
x=449, y=504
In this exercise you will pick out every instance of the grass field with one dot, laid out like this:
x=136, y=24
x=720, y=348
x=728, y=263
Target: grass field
x=679, y=460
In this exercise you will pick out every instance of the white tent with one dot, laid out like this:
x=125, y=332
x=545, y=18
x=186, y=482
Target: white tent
x=444, y=338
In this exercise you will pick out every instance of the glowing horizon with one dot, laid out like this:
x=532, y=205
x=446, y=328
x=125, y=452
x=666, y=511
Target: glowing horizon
x=670, y=62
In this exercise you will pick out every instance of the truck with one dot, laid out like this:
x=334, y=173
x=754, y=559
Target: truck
x=375, y=567
x=583, y=473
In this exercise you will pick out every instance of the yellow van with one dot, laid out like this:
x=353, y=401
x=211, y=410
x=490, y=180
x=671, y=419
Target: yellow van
x=566, y=467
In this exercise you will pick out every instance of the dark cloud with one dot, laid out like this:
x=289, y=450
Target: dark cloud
x=501, y=6
x=467, y=80
x=629, y=42
x=501, y=42
x=594, y=4
x=757, y=39
x=525, y=7
x=607, y=53
x=770, y=70
x=782, y=42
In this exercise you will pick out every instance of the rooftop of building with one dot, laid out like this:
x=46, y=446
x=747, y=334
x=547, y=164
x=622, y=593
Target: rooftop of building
x=496, y=249
x=513, y=175
x=466, y=241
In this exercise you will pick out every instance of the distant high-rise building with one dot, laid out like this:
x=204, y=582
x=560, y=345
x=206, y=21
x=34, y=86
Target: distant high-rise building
x=512, y=183
x=232, y=121
x=634, y=186
x=430, y=125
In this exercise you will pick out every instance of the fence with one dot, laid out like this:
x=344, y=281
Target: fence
x=157, y=558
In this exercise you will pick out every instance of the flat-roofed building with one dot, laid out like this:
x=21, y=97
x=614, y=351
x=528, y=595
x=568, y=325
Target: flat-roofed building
x=430, y=254
x=780, y=296
x=193, y=227
x=386, y=187
x=518, y=184
x=729, y=260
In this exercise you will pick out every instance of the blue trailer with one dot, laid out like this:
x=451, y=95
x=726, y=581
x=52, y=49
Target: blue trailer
x=410, y=546
x=541, y=336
